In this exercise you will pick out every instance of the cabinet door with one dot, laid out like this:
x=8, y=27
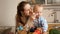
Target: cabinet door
x=47, y=14
x=36, y=1
x=58, y=16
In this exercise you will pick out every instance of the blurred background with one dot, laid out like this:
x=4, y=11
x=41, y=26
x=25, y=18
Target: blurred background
x=8, y=12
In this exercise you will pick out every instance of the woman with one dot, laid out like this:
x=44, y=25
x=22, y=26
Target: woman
x=24, y=17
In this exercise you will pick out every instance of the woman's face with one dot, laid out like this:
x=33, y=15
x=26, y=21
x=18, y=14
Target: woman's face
x=27, y=9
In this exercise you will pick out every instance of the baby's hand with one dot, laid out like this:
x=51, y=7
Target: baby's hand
x=40, y=29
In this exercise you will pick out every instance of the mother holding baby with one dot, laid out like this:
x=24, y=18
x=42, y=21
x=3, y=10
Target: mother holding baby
x=25, y=19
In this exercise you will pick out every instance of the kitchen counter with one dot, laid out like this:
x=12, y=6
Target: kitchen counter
x=53, y=23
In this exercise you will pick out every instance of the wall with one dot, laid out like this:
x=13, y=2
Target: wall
x=8, y=12
x=8, y=9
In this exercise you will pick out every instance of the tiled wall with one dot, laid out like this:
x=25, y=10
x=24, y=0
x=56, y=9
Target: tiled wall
x=48, y=13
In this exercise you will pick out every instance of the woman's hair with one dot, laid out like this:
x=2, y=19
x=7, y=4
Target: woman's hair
x=20, y=8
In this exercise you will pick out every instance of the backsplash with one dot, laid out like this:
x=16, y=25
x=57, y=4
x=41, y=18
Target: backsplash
x=51, y=13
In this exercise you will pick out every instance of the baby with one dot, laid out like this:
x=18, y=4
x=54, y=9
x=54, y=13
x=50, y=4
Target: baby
x=40, y=22
x=38, y=10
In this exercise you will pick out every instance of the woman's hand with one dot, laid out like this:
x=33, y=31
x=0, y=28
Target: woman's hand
x=32, y=14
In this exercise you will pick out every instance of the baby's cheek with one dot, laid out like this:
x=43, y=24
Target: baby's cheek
x=36, y=13
x=40, y=14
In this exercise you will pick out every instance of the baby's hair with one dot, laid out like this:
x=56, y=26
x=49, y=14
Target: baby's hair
x=37, y=5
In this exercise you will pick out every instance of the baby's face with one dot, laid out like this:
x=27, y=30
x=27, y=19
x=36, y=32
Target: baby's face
x=38, y=11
